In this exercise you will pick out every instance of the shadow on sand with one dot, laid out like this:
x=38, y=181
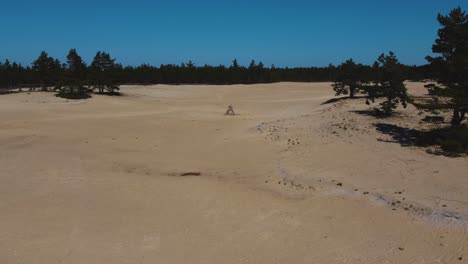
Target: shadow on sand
x=334, y=100
x=451, y=142
x=7, y=91
x=376, y=113
x=110, y=93
x=73, y=96
x=406, y=137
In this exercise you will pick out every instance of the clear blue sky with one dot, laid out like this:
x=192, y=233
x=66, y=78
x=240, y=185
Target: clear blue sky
x=284, y=33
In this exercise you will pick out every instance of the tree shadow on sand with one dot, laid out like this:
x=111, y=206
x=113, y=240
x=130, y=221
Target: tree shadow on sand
x=406, y=137
x=344, y=98
x=451, y=142
x=376, y=113
x=73, y=96
x=7, y=91
x=109, y=93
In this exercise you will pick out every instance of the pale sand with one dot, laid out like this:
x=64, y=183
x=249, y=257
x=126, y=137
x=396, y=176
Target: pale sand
x=97, y=181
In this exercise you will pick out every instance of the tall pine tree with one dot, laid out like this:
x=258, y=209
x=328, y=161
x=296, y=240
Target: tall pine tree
x=388, y=84
x=103, y=73
x=73, y=83
x=348, y=79
x=47, y=69
x=451, y=68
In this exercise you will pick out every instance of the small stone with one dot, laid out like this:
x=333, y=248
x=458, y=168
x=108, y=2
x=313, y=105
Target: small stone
x=401, y=248
x=339, y=184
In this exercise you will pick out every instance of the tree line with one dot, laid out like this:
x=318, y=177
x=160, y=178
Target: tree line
x=46, y=72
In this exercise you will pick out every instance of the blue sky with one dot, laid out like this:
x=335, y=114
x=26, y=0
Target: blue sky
x=284, y=33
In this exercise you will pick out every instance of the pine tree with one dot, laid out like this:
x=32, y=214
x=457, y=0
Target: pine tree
x=73, y=83
x=451, y=68
x=252, y=72
x=7, y=69
x=103, y=73
x=235, y=64
x=47, y=69
x=388, y=84
x=349, y=79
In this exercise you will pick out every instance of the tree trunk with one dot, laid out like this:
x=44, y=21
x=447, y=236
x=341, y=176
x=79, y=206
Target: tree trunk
x=44, y=86
x=462, y=115
x=352, y=90
x=457, y=117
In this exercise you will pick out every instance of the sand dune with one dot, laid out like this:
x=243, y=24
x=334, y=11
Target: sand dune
x=291, y=179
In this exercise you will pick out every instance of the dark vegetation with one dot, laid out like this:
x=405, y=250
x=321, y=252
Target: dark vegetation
x=351, y=77
x=73, y=79
x=388, y=84
x=451, y=67
x=385, y=80
x=72, y=85
x=104, y=75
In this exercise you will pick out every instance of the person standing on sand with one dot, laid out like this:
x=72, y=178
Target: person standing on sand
x=230, y=111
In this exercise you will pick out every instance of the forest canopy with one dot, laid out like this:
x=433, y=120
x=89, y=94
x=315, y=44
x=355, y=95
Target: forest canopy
x=47, y=71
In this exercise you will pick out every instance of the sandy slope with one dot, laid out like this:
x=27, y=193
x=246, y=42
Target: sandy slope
x=288, y=180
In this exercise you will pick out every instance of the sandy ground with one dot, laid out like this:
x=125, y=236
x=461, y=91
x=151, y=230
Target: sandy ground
x=290, y=179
